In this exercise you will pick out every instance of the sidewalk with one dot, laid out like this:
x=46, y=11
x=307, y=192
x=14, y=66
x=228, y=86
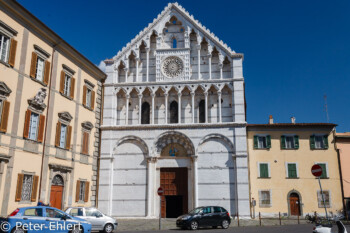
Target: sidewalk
x=170, y=223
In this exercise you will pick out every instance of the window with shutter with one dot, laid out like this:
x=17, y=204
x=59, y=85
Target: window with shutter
x=324, y=170
x=33, y=126
x=312, y=142
x=4, y=109
x=27, y=188
x=292, y=170
x=19, y=187
x=82, y=191
x=268, y=141
x=264, y=170
x=262, y=142
x=40, y=64
x=12, y=55
x=63, y=136
x=4, y=48
x=255, y=142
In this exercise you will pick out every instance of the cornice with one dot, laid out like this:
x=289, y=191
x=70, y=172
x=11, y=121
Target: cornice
x=173, y=82
x=205, y=31
x=174, y=126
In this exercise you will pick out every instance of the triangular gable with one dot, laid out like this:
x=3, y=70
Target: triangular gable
x=174, y=9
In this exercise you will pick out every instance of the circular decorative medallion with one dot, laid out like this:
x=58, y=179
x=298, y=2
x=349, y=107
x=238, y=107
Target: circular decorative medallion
x=172, y=67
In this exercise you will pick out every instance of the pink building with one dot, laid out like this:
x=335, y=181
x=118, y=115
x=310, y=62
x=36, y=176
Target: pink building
x=343, y=146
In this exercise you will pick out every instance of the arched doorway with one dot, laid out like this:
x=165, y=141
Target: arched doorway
x=174, y=112
x=201, y=107
x=294, y=203
x=174, y=178
x=57, y=186
x=145, y=113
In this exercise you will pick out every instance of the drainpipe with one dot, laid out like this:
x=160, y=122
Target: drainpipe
x=340, y=173
x=46, y=121
x=99, y=144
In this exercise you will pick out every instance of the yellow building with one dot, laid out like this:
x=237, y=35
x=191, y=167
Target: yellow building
x=50, y=97
x=280, y=159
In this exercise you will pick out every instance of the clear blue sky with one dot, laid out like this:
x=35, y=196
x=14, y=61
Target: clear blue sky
x=295, y=51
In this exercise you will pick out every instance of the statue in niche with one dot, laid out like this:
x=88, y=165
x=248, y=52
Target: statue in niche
x=40, y=96
x=173, y=151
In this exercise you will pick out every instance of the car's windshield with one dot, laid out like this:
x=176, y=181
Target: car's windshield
x=196, y=211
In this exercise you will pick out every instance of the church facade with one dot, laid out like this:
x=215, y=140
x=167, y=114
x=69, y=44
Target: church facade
x=173, y=116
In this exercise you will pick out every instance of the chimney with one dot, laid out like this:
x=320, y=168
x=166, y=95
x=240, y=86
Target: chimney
x=270, y=119
x=293, y=120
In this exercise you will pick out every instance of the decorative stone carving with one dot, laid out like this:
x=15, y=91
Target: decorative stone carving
x=87, y=125
x=65, y=116
x=172, y=67
x=4, y=89
x=38, y=101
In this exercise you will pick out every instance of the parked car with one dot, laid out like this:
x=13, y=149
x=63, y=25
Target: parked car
x=206, y=216
x=98, y=220
x=41, y=219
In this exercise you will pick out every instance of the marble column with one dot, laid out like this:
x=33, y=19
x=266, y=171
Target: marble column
x=137, y=68
x=110, y=195
x=199, y=60
x=127, y=109
x=140, y=108
x=147, y=64
x=150, y=185
x=179, y=107
x=115, y=110
x=219, y=104
x=192, y=105
x=166, y=107
x=206, y=106
x=153, y=95
x=209, y=58
x=221, y=66
x=126, y=74
x=116, y=75
x=195, y=180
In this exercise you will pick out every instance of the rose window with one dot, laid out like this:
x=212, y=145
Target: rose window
x=172, y=67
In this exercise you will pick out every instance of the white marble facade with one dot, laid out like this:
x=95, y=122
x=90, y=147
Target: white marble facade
x=175, y=82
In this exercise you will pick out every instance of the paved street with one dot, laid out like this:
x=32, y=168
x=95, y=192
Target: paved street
x=303, y=228
x=249, y=226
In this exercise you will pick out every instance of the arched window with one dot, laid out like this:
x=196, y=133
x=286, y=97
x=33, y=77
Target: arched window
x=145, y=113
x=201, y=107
x=174, y=43
x=174, y=114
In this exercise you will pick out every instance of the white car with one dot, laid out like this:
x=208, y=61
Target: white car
x=99, y=221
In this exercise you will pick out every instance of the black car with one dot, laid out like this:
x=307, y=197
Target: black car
x=205, y=216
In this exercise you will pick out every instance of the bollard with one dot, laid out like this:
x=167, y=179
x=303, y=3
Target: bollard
x=238, y=219
x=315, y=216
x=298, y=219
x=260, y=218
x=279, y=217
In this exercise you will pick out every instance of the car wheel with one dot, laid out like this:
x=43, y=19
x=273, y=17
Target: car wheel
x=18, y=230
x=225, y=224
x=108, y=228
x=194, y=225
x=77, y=229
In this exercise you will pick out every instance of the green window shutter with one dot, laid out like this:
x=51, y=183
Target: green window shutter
x=264, y=170
x=296, y=141
x=325, y=141
x=312, y=142
x=292, y=170
x=283, y=142
x=324, y=170
x=255, y=141
x=268, y=141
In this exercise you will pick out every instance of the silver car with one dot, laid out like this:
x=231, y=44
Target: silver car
x=99, y=221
